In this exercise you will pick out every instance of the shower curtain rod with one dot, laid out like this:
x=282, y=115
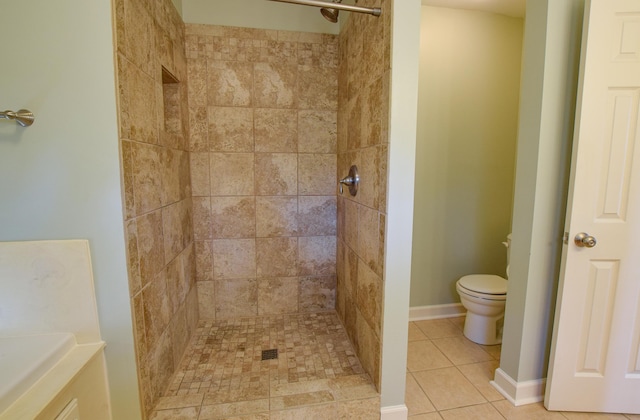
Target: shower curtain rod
x=375, y=11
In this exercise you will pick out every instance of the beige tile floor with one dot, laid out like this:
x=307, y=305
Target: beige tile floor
x=316, y=374
x=448, y=378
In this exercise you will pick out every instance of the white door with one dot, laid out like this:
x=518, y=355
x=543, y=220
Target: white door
x=595, y=353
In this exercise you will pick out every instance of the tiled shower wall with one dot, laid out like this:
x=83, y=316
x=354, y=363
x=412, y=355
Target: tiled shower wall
x=152, y=108
x=262, y=110
x=363, y=139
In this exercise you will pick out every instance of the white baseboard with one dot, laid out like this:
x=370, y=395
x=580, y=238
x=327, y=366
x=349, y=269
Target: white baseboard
x=519, y=393
x=394, y=412
x=450, y=310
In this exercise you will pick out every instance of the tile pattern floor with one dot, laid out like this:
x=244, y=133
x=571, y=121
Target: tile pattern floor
x=316, y=375
x=448, y=378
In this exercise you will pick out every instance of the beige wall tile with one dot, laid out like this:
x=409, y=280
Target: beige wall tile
x=369, y=349
x=276, y=130
x=140, y=331
x=202, y=227
x=276, y=216
x=317, y=293
x=275, y=85
x=150, y=245
x=139, y=35
x=317, y=215
x=276, y=257
x=199, y=129
x=369, y=297
x=317, y=174
x=236, y=298
x=133, y=258
x=232, y=174
x=317, y=88
x=204, y=260
x=234, y=258
x=231, y=129
x=276, y=174
x=127, y=179
x=317, y=255
x=230, y=83
x=200, y=178
x=157, y=310
x=233, y=217
x=351, y=224
x=147, y=177
x=368, y=240
x=318, y=131
x=207, y=299
x=174, y=223
x=278, y=295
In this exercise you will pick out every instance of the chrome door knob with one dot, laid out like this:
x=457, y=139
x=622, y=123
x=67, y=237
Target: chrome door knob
x=584, y=240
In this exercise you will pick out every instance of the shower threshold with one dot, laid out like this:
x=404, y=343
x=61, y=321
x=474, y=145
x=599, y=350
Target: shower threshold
x=315, y=372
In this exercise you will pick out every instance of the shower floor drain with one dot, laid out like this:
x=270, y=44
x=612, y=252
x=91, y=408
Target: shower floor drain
x=269, y=354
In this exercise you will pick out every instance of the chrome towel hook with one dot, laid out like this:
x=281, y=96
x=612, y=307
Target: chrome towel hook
x=24, y=117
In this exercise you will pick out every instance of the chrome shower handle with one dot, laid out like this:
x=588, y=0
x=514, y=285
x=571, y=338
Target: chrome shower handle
x=352, y=181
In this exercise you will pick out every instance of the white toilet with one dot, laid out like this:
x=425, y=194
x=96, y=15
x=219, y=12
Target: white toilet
x=484, y=297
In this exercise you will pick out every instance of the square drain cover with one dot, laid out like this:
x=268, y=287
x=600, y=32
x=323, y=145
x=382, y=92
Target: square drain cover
x=269, y=354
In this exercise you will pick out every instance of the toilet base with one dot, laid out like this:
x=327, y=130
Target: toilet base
x=485, y=330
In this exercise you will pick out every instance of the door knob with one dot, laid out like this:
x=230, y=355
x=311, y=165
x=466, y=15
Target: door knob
x=584, y=240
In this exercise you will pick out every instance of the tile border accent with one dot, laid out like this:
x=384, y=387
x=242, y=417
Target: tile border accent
x=394, y=412
x=449, y=310
x=519, y=393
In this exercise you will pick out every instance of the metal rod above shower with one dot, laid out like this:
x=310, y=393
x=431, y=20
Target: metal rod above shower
x=375, y=11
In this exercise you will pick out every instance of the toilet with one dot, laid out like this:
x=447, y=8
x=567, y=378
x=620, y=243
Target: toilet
x=484, y=297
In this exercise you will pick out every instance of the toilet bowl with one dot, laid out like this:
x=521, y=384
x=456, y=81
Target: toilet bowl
x=484, y=297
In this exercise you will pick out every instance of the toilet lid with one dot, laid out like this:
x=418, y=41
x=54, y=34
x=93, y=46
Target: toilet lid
x=484, y=283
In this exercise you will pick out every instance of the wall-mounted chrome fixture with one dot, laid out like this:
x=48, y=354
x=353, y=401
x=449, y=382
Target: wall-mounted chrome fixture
x=352, y=181
x=330, y=9
x=24, y=117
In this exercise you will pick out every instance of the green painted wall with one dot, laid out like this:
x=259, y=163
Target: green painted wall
x=60, y=178
x=465, y=156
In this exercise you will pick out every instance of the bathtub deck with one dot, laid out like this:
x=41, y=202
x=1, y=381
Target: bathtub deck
x=25, y=359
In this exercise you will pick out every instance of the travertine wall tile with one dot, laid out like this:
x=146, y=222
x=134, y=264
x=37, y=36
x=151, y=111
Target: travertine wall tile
x=231, y=129
x=317, y=174
x=276, y=257
x=278, y=295
x=258, y=100
x=317, y=215
x=234, y=258
x=276, y=174
x=154, y=136
x=233, y=217
x=318, y=131
x=275, y=85
x=362, y=139
x=230, y=83
x=236, y=298
x=207, y=299
x=276, y=130
x=317, y=255
x=276, y=216
x=317, y=293
x=232, y=174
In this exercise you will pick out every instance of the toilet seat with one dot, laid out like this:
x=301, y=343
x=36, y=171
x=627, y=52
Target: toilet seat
x=484, y=286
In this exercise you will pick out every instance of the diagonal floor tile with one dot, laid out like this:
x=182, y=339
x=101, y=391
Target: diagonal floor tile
x=448, y=388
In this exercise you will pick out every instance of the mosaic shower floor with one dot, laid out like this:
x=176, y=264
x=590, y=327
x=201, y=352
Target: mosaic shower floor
x=316, y=375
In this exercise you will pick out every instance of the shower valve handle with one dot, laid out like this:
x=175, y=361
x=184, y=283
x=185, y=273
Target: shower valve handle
x=352, y=181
